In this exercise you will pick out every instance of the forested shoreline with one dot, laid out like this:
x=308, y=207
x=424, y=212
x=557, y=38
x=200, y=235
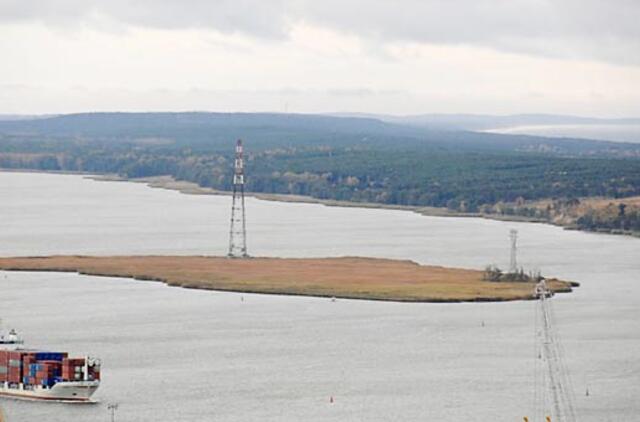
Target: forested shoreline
x=365, y=164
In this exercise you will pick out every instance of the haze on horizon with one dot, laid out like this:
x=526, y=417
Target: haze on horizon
x=579, y=57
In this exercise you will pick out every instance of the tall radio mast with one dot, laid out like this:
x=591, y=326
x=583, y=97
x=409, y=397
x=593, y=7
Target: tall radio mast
x=513, y=261
x=238, y=231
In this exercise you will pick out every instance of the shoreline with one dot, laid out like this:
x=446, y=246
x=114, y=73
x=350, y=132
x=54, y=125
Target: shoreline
x=345, y=278
x=190, y=188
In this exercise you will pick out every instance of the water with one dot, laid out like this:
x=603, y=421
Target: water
x=605, y=132
x=185, y=355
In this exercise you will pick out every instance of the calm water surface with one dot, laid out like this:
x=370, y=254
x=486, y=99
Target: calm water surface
x=185, y=355
x=606, y=132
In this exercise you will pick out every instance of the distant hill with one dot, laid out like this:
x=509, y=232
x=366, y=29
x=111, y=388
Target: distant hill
x=475, y=122
x=357, y=159
x=213, y=131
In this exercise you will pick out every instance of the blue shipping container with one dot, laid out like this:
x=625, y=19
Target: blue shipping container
x=49, y=356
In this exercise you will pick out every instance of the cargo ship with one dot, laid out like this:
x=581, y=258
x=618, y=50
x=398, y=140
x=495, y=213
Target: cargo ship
x=43, y=375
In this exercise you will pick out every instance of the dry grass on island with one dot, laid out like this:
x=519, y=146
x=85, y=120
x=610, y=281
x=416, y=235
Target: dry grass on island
x=356, y=278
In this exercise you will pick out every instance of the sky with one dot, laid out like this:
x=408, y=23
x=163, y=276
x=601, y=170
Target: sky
x=579, y=57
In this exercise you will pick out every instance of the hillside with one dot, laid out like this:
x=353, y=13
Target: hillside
x=213, y=131
x=326, y=157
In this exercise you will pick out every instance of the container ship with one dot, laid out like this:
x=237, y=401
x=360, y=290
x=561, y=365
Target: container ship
x=44, y=375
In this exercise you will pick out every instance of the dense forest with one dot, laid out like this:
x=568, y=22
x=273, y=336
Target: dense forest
x=353, y=159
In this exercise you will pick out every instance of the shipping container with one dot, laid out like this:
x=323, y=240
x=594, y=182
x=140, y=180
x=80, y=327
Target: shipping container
x=32, y=368
x=57, y=356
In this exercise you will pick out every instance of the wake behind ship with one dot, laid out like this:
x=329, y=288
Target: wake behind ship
x=43, y=375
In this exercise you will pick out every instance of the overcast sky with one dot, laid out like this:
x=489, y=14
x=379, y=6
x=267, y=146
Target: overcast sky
x=399, y=57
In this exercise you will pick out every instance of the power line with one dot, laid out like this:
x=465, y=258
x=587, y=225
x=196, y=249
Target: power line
x=552, y=353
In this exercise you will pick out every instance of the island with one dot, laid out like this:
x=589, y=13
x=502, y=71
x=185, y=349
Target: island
x=346, y=277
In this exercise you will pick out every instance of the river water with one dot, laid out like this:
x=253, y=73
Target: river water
x=605, y=132
x=185, y=355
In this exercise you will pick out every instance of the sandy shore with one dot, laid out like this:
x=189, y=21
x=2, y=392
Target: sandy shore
x=190, y=188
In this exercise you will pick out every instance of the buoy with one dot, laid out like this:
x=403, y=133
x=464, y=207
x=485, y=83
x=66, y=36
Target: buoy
x=483, y=323
x=331, y=399
x=333, y=299
x=587, y=392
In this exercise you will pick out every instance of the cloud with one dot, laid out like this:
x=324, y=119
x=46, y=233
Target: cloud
x=594, y=29
x=260, y=19
x=600, y=30
x=351, y=92
x=302, y=55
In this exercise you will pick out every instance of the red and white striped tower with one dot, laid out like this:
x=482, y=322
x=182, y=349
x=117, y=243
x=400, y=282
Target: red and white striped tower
x=238, y=231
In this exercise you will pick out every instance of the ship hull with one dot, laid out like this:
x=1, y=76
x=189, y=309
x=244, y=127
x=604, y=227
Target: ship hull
x=66, y=391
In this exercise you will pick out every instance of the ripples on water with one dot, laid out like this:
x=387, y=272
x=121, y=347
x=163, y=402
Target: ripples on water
x=184, y=355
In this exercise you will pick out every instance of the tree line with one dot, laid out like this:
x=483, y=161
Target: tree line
x=467, y=181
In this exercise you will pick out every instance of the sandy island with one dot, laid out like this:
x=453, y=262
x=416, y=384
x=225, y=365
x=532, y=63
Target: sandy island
x=353, y=278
